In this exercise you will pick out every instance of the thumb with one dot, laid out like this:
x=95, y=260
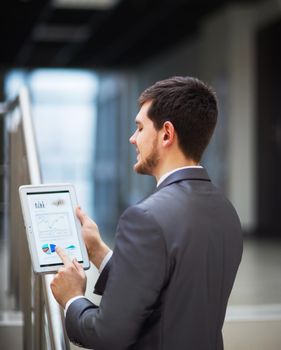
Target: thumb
x=81, y=215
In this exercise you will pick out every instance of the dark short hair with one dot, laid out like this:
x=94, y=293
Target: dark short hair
x=190, y=105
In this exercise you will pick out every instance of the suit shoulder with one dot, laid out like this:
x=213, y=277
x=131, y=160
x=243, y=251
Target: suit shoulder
x=137, y=211
x=184, y=199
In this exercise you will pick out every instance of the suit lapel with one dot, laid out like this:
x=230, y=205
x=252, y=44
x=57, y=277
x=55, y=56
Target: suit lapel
x=185, y=174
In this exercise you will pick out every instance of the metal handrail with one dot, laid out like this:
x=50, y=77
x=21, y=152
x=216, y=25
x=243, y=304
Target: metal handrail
x=43, y=318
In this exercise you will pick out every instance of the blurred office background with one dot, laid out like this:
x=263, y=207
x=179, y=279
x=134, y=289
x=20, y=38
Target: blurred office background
x=85, y=63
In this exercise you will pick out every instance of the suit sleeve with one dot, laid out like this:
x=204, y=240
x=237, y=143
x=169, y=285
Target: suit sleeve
x=135, y=280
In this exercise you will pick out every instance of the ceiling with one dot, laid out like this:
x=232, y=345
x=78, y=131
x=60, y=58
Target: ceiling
x=41, y=33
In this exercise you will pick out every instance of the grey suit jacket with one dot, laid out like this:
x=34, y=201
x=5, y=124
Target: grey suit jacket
x=171, y=273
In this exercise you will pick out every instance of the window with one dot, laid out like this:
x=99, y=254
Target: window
x=64, y=114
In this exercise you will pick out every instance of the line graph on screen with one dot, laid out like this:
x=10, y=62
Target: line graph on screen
x=53, y=225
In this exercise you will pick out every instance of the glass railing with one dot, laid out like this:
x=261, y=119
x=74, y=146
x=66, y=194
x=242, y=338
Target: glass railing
x=43, y=325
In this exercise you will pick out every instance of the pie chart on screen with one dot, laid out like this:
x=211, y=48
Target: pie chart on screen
x=49, y=248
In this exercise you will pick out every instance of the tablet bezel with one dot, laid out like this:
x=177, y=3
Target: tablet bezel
x=23, y=192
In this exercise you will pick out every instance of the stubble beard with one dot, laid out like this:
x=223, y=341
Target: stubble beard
x=147, y=166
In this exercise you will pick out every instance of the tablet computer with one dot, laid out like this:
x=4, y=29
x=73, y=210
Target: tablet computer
x=50, y=221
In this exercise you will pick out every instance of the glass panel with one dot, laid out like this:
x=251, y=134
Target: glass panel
x=64, y=112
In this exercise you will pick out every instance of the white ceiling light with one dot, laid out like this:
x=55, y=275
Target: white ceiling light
x=85, y=4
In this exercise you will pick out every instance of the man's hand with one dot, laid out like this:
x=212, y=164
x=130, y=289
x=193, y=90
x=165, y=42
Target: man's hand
x=70, y=281
x=96, y=248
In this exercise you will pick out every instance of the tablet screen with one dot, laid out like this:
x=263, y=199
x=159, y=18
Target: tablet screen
x=53, y=225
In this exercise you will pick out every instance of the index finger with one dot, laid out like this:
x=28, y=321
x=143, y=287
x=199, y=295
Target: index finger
x=64, y=257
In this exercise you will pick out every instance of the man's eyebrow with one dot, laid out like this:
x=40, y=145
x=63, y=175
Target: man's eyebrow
x=138, y=122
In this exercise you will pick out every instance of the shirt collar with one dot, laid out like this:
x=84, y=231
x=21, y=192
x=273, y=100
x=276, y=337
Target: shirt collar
x=163, y=177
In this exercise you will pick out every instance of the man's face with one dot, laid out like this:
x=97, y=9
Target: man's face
x=145, y=138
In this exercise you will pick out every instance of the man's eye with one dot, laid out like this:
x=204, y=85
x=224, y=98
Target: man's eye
x=140, y=129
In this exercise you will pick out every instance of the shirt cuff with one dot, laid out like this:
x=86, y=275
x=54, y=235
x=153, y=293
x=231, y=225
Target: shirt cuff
x=70, y=301
x=105, y=260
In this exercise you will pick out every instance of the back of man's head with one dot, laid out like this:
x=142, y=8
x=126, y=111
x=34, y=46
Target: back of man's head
x=190, y=105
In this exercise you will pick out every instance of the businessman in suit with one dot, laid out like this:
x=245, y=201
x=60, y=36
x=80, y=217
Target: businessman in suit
x=167, y=283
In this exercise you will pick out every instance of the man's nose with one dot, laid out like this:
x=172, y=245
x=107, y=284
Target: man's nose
x=132, y=139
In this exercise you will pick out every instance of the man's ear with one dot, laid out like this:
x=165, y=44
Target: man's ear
x=168, y=133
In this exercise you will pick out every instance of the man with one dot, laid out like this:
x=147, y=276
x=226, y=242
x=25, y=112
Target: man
x=177, y=252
